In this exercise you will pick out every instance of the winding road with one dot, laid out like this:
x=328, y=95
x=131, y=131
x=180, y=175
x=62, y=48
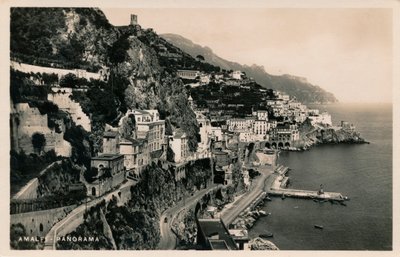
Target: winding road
x=228, y=215
x=168, y=238
x=75, y=217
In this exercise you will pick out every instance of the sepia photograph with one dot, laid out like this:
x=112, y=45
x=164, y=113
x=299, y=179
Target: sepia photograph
x=205, y=127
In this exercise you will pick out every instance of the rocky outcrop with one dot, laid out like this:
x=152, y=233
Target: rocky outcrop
x=310, y=136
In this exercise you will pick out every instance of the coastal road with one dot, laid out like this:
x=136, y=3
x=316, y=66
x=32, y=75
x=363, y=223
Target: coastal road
x=228, y=215
x=168, y=238
x=75, y=217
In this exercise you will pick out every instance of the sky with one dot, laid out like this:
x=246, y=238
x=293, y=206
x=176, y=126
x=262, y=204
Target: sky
x=347, y=51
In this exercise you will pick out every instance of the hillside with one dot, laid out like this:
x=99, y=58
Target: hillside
x=295, y=86
x=137, y=76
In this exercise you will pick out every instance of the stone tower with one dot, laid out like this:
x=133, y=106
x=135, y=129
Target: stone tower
x=133, y=20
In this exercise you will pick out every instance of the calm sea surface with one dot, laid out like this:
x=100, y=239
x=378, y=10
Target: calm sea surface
x=362, y=172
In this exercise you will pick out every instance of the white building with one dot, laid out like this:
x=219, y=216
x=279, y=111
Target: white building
x=188, y=74
x=237, y=75
x=216, y=133
x=323, y=118
x=179, y=145
x=151, y=127
x=240, y=124
x=261, y=114
x=205, y=129
x=261, y=127
x=205, y=79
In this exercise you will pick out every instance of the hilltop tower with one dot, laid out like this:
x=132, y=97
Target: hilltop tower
x=133, y=20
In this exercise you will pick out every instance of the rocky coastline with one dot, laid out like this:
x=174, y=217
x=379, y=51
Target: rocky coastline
x=311, y=136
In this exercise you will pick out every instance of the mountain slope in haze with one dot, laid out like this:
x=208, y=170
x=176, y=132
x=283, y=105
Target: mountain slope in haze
x=295, y=86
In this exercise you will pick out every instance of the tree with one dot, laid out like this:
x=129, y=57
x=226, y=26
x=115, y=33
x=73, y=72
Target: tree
x=128, y=127
x=18, y=231
x=38, y=141
x=117, y=52
x=69, y=80
x=200, y=58
x=90, y=174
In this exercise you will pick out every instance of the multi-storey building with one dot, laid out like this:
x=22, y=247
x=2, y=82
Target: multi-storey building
x=261, y=127
x=240, y=124
x=110, y=173
x=285, y=133
x=150, y=127
x=136, y=154
x=261, y=114
x=179, y=145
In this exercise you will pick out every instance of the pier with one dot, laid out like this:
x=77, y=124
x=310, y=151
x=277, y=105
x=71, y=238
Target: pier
x=276, y=182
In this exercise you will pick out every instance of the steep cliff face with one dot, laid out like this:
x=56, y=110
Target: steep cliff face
x=83, y=38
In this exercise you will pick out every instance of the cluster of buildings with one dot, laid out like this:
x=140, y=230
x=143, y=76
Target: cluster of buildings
x=233, y=78
x=127, y=154
x=276, y=124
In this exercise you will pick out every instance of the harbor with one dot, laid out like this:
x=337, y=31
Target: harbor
x=276, y=186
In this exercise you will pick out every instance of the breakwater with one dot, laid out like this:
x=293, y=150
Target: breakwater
x=275, y=186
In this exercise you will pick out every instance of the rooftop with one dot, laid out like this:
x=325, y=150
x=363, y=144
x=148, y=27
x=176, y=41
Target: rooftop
x=179, y=133
x=213, y=228
x=107, y=157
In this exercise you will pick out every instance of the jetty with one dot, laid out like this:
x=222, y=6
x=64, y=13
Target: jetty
x=276, y=183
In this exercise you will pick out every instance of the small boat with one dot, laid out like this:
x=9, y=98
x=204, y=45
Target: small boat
x=266, y=235
x=296, y=207
x=315, y=200
x=318, y=226
x=283, y=196
x=267, y=198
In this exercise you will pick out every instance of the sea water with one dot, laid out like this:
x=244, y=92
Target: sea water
x=362, y=172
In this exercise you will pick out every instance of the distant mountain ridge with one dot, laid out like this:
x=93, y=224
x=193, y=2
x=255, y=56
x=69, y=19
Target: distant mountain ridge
x=292, y=85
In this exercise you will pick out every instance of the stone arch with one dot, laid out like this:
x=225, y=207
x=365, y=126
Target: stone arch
x=93, y=191
x=287, y=144
x=41, y=227
x=273, y=145
x=280, y=145
x=119, y=194
x=268, y=145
